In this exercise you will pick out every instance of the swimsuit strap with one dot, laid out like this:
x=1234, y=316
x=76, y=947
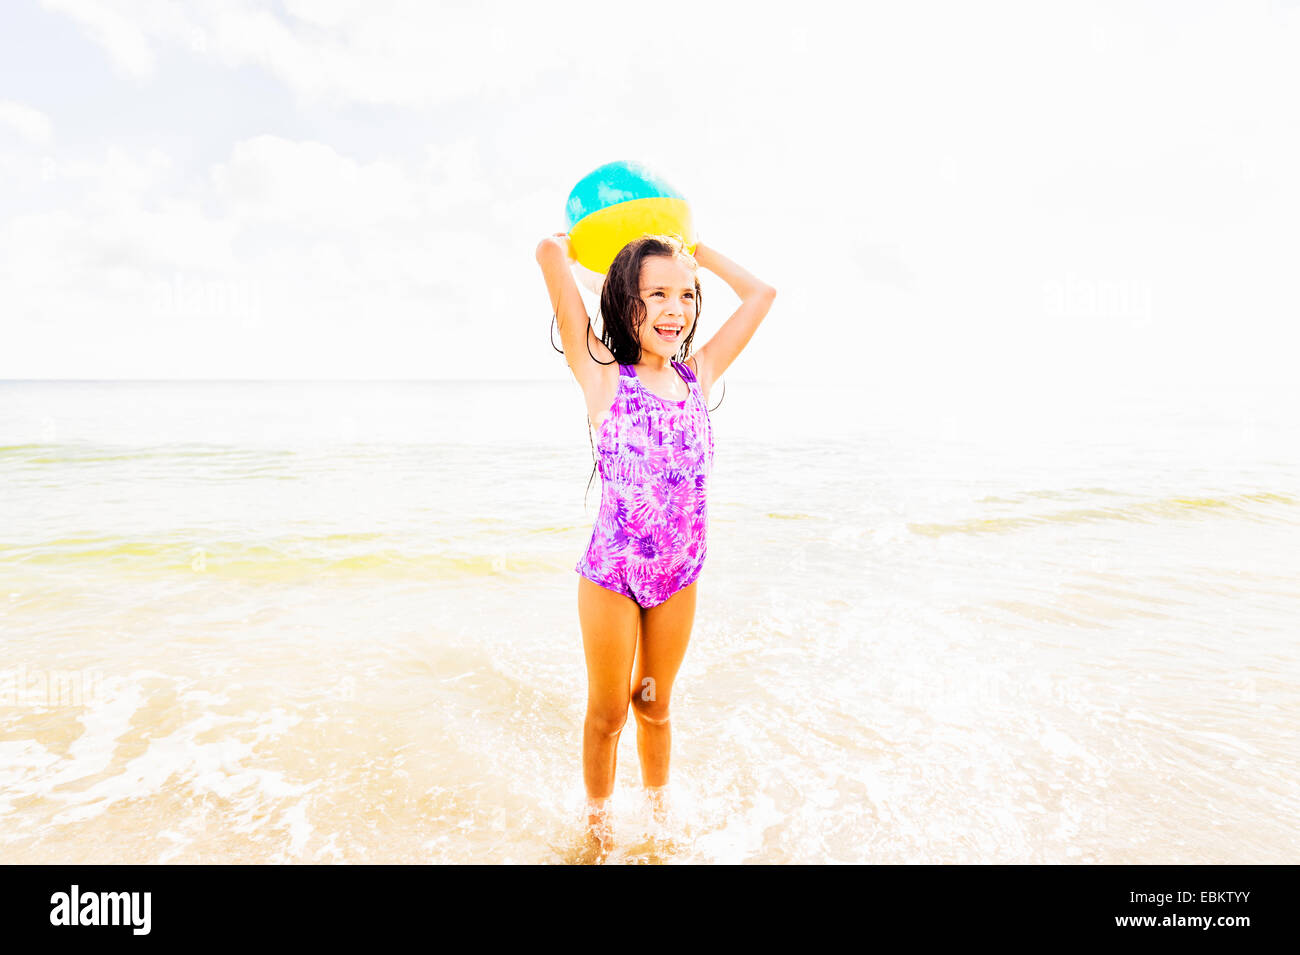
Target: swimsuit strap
x=626, y=371
x=685, y=370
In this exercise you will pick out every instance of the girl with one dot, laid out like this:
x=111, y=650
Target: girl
x=647, y=401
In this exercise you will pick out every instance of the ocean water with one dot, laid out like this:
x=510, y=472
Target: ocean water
x=321, y=622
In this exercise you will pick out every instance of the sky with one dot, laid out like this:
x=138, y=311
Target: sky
x=1021, y=196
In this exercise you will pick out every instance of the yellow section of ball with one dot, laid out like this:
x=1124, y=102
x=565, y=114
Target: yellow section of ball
x=598, y=237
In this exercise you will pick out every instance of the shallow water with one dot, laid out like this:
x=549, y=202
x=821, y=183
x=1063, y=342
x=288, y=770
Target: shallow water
x=336, y=622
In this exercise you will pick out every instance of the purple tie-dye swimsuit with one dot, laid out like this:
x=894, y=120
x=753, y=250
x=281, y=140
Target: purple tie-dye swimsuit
x=655, y=458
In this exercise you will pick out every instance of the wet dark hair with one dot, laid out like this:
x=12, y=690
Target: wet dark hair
x=622, y=312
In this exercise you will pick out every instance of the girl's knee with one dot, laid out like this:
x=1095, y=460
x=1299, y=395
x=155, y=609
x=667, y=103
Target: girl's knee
x=605, y=720
x=650, y=710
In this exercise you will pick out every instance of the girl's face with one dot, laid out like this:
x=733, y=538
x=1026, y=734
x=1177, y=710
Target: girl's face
x=668, y=294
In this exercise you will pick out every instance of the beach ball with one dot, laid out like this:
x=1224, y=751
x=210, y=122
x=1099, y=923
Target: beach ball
x=616, y=203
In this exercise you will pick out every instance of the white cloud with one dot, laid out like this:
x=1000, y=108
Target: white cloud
x=413, y=53
x=121, y=28
x=284, y=242
x=30, y=124
x=274, y=179
x=400, y=53
x=384, y=221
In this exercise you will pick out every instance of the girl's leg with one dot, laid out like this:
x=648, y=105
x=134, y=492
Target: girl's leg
x=665, y=632
x=609, y=636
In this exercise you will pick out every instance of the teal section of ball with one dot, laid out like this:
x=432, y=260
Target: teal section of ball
x=613, y=183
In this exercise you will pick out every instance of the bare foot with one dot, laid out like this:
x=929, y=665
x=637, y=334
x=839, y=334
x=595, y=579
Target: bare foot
x=600, y=833
x=657, y=796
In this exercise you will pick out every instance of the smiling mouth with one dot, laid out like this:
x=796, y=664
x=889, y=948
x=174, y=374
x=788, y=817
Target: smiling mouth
x=669, y=333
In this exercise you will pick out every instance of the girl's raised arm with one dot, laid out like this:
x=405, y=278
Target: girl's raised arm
x=727, y=342
x=556, y=260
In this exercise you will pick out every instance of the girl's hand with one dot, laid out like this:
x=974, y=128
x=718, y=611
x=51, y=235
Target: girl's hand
x=701, y=254
x=562, y=240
